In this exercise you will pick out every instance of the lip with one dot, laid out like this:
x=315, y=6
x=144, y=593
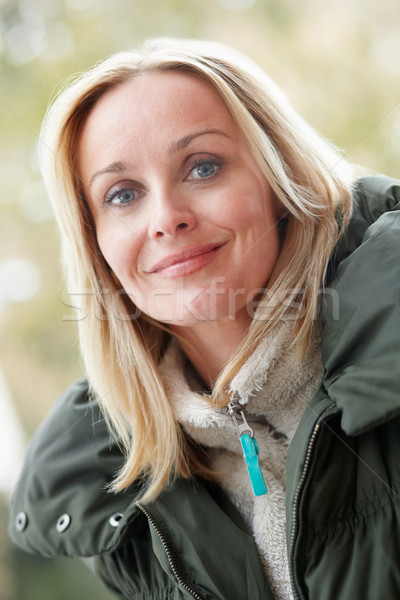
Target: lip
x=186, y=261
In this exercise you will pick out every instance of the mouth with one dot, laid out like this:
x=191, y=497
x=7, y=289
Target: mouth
x=186, y=261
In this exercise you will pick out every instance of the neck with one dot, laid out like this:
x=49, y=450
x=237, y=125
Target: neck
x=210, y=345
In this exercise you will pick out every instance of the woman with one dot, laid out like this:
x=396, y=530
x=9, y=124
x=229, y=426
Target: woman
x=213, y=238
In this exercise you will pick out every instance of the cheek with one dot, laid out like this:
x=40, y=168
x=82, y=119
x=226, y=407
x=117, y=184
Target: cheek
x=120, y=249
x=256, y=221
x=250, y=210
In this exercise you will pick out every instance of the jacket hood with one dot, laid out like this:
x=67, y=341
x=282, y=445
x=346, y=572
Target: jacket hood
x=361, y=312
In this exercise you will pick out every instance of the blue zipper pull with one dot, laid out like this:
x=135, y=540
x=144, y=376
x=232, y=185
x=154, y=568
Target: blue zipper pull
x=249, y=446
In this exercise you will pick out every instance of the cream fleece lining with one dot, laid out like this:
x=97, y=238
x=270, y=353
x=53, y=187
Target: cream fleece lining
x=277, y=389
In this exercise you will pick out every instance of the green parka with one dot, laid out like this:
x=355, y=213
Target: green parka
x=343, y=466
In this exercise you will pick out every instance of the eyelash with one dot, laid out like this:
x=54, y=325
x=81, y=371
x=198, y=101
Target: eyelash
x=111, y=195
x=217, y=163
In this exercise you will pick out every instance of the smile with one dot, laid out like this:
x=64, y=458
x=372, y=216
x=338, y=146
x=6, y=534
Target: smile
x=186, y=261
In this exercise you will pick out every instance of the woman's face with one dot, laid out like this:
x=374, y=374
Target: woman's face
x=183, y=215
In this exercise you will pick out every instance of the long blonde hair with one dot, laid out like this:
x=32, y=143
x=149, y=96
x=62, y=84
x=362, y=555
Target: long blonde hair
x=121, y=352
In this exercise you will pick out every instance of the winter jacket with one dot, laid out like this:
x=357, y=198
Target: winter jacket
x=343, y=467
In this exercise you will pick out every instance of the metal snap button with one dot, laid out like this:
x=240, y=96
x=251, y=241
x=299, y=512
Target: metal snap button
x=21, y=521
x=63, y=523
x=115, y=519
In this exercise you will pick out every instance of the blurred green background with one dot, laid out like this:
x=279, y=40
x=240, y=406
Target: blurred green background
x=337, y=60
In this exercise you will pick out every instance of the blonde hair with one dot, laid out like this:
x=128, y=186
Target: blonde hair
x=311, y=184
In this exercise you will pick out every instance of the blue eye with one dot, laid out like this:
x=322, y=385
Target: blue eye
x=204, y=169
x=119, y=197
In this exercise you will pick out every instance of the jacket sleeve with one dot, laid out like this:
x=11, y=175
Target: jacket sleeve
x=61, y=505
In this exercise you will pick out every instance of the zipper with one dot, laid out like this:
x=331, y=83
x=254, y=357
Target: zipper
x=173, y=560
x=296, y=500
x=249, y=445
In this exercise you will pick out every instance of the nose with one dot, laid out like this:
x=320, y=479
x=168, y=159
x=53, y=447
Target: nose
x=170, y=215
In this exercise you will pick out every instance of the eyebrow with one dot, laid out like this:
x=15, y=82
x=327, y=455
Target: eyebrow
x=115, y=167
x=181, y=144
x=187, y=139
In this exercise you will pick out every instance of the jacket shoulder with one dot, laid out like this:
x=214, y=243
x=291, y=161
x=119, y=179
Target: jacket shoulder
x=61, y=504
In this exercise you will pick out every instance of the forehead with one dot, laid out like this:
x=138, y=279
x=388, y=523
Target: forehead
x=153, y=99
